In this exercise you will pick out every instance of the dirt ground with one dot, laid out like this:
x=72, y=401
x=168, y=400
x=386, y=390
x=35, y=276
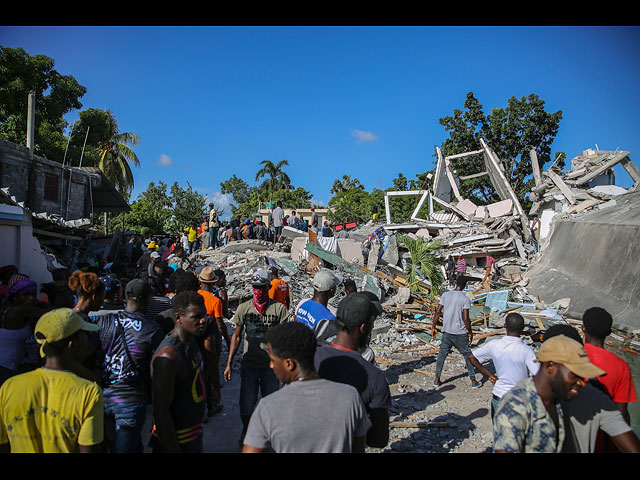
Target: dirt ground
x=461, y=413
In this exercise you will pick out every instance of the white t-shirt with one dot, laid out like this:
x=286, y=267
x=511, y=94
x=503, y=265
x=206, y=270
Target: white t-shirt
x=512, y=359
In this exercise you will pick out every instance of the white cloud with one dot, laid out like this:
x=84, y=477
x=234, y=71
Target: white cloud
x=165, y=161
x=317, y=203
x=220, y=201
x=364, y=136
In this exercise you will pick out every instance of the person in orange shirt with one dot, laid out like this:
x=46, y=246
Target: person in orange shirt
x=279, y=290
x=212, y=342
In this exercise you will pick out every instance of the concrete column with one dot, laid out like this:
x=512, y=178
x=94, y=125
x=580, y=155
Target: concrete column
x=31, y=120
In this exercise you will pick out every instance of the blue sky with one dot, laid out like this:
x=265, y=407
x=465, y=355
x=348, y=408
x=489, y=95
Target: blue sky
x=210, y=102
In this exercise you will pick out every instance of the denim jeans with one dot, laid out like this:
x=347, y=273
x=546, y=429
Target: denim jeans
x=461, y=342
x=213, y=237
x=129, y=418
x=494, y=405
x=252, y=381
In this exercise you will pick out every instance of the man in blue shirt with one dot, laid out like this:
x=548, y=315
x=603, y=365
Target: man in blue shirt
x=311, y=310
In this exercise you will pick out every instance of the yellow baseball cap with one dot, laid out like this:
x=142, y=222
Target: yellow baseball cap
x=59, y=324
x=565, y=350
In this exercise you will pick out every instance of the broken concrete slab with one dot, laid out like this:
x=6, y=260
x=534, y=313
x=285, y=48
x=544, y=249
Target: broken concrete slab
x=351, y=251
x=467, y=207
x=500, y=209
x=298, y=251
x=290, y=232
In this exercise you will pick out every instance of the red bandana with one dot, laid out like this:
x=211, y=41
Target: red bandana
x=260, y=299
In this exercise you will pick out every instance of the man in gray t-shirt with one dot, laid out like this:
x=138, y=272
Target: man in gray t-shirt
x=310, y=414
x=278, y=219
x=456, y=329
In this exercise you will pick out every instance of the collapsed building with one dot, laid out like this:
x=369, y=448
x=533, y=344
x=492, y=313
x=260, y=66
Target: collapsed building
x=578, y=256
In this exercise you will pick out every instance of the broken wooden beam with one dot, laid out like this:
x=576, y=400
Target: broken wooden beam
x=418, y=424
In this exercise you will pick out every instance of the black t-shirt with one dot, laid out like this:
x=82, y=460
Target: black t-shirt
x=122, y=381
x=345, y=366
x=143, y=265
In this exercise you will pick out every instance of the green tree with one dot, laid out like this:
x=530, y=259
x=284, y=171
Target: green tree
x=346, y=184
x=152, y=211
x=188, y=206
x=241, y=193
x=107, y=148
x=55, y=96
x=350, y=206
x=510, y=132
x=276, y=176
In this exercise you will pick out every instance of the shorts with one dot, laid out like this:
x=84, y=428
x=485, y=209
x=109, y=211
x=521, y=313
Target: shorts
x=278, y=230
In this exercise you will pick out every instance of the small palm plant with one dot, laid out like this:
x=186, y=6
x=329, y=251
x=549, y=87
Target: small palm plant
x=423, y=265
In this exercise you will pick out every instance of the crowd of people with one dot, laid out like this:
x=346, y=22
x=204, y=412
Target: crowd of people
x=86, y=358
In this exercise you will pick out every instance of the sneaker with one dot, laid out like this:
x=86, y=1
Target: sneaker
x=476, y=384
x=437, y=384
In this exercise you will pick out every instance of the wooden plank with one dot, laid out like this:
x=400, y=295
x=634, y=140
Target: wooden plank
x=418, y=424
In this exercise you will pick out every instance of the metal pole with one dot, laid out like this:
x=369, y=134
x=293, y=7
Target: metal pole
x=71, y=172
x=64, y=159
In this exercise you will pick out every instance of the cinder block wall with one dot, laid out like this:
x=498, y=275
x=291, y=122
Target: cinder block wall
x=24, y=174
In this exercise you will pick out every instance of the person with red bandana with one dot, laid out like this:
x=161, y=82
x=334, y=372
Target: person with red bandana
x=253, y=318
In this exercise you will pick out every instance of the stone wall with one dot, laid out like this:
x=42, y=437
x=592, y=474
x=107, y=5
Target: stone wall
x=27, y=175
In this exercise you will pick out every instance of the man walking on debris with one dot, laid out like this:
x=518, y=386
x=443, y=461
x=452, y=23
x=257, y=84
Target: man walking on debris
x=456, y=329
x=461, y=266
x=310, y=414
x=315, y=309
x=254, y=318
x=340, y=361
x=512, y=359
x=178, y=382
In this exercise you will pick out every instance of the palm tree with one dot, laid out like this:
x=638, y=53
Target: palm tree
x=114, y=155
x=277, y=178
x=346, y=184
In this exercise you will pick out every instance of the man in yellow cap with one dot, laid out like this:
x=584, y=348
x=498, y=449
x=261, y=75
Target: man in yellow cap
x=529, y=418
x=51, y=409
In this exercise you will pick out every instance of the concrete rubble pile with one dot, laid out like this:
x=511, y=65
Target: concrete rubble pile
x=375, y=257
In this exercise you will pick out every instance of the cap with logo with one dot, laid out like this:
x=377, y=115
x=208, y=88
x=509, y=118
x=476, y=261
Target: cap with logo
x=325, y=280
x=571, y=354
x=357, y=308
x=58, y=324
x=261, y=278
